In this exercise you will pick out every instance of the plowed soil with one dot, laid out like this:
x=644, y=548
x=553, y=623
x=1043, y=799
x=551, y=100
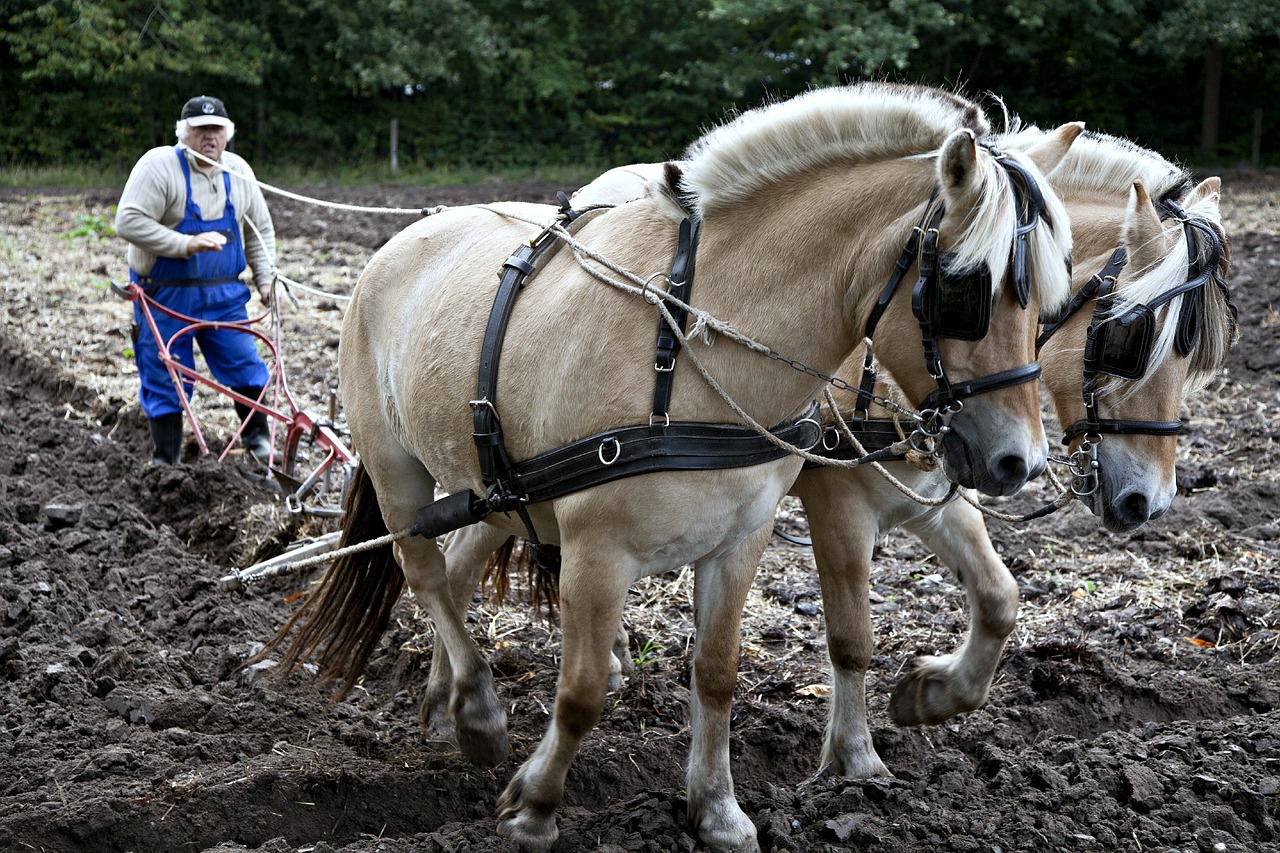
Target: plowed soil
x=1137, y=707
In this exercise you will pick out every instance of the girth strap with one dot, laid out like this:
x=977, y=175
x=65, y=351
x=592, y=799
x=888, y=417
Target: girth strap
x=628, y=451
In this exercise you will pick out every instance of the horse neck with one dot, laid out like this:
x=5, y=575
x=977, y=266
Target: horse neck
x=810, y=259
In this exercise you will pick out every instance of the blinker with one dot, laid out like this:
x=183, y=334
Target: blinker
x=1121, y=346
x=961, y=301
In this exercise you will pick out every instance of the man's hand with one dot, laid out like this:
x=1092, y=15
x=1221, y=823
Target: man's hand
x=207, y=241
x=264, y=293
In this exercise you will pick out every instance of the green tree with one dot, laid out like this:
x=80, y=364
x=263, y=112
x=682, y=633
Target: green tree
x=1236, y=37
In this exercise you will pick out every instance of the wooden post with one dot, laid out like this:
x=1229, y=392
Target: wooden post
x=1255, y=153
x=395, y=144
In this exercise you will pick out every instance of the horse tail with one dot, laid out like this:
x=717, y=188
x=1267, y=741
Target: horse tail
x=538, y=564
x=341, y=623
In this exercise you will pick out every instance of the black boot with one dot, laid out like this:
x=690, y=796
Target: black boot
x=256, y=437
x=166, y=435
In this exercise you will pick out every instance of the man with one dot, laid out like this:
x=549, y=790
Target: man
x=183, y=216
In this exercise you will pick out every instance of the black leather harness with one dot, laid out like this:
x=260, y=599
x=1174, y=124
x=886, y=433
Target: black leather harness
x=660, y=445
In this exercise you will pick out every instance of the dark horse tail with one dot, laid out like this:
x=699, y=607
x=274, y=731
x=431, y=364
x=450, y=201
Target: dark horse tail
x=340, y=624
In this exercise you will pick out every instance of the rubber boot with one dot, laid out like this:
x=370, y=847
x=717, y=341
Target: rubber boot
x=166, y=435
x=256, y=437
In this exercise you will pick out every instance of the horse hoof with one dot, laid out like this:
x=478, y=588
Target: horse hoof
x=921, y=698
x=532, y=835
x=483, y=748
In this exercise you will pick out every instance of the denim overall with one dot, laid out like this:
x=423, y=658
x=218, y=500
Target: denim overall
x=205, y=286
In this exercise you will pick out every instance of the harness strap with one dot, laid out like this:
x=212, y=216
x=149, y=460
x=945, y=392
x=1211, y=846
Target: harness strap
x=876, y=435
x=1109, y=272
x=982, y=385
x=629, y=451
x=1120, y=426
x=664, y=362
x=909, y=252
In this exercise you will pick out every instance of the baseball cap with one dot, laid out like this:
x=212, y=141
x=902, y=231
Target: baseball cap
x=202, y=110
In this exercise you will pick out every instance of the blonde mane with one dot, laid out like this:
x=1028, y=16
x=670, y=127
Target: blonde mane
x=873, y=122
x=860, y=123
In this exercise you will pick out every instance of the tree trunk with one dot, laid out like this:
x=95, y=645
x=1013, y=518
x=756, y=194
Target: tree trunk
x=1212, y=101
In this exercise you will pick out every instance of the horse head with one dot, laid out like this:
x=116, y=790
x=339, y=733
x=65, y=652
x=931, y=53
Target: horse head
x=1151, y=324
x=1003, y=248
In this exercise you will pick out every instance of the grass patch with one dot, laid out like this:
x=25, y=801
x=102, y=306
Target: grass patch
x=80, y=176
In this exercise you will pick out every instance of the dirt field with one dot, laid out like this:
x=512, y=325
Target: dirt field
x=1137, y=708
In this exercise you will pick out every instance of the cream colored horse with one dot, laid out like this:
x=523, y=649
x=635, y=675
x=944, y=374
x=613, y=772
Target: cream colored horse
x=1108, y=186
x=805, y=204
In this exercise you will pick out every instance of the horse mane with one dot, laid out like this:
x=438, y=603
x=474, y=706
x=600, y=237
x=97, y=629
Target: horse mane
x=865, y=122
x=1100, y=163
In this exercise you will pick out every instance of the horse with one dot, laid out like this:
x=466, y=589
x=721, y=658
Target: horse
x=1119, y=196
x=802, y=206
x=1143, y=231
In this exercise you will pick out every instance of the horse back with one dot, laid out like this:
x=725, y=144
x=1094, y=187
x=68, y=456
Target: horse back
x=411, y=339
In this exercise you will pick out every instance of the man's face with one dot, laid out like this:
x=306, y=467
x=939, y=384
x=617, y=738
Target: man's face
x=209, y=140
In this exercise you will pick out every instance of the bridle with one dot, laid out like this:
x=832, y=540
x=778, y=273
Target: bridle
x=948, y=304
x=1122, y=345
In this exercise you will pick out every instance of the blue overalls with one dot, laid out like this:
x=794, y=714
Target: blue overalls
x=205, y=286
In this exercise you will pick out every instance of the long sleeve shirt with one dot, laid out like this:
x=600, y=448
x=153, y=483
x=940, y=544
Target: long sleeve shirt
x=154, y=201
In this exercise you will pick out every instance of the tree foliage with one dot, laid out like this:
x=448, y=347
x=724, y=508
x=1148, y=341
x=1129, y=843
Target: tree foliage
x=485, y=82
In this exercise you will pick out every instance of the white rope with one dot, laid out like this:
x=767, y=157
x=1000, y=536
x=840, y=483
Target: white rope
x=405, y=211
x=240, y=580
x=913, y=457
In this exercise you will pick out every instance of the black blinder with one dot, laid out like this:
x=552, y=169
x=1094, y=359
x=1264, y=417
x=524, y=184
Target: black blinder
x=1121, y=346
x=961, y=303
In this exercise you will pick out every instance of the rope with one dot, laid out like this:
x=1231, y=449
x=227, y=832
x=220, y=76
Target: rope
x=916, y=460
x=401, y=211
x=241, y=580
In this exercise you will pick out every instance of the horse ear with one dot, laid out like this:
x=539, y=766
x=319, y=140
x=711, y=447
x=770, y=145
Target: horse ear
x=957, y=162
x=1144, y=235
x=1210, y=190
x=1051, y=148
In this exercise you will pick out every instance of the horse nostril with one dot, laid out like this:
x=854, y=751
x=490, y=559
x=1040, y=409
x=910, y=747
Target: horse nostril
x=1012, y=469
x=1133, y=508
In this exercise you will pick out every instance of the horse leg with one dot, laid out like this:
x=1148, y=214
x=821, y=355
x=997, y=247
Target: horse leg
x=465, y=553
x=844, y=526
x=593, y=589
x=480, y=720
x=939, y=687
x=721, y=584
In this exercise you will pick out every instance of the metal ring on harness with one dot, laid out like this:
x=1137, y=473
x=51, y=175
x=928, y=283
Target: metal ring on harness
x=835, y=438
x=1084, y=467
x=617, y=451
x=933, y=425
x=650, y=295
x=819, y=440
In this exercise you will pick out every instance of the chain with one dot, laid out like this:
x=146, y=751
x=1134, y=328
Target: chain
x=838, y=383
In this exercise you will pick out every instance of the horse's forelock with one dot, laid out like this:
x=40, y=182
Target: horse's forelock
x=859, y=123
x=989, y=233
